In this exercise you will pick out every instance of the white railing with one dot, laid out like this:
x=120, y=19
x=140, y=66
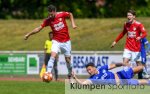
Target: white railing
x=74, y=52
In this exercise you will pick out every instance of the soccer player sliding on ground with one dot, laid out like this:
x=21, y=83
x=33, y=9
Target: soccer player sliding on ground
x=102, y=75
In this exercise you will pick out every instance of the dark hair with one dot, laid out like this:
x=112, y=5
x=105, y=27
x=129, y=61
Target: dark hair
x=90, y=64
x=51, y=8
x=132, y=12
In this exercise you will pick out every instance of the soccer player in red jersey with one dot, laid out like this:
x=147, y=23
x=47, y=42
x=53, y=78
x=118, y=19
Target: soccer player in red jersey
x=61, y=39
x=135, y=32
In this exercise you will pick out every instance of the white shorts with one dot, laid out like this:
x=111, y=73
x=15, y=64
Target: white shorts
x=64, y=47
x=133, y=56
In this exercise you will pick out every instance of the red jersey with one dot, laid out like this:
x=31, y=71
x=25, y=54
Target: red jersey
x=133, y=30
x=58, y=26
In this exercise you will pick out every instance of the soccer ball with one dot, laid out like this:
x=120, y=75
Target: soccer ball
x=47, y=77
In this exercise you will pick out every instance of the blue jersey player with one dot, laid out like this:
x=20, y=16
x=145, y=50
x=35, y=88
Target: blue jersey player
x=103, y=75
x=145, y=48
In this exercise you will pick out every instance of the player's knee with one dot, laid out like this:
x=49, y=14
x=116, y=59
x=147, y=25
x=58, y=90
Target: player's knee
x=53, y=54
x=141, y=67
x=67, y=59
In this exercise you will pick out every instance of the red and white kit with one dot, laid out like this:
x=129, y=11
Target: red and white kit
x=132, y=46
x=61, y=38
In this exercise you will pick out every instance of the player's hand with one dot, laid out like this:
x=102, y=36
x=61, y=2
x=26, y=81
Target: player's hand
x=113, y=44
x=138, y=38
x=74, y=26
x=26, y=37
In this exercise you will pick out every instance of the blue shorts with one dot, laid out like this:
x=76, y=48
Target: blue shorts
x=126, y=76
x=126, y=73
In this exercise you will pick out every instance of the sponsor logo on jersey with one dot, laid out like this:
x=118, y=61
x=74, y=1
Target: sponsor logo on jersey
x=131, y=34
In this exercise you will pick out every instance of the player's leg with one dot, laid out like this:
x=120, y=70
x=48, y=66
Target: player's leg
x=126, y=57
x=144, y=82
x=66, y=50
x=137, y=69
x=138, y=82
x=143, y=61
x=69, y=66
x=125, y=75
x=140, y=76
x=128, y=72
x=55, y=49
x=126, y=61
x=47, y=57
x=55, y=68
x=136, y=56
x=51, y=61
x=145, y=72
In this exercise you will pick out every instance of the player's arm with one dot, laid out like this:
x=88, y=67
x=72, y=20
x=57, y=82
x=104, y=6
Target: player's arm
x=72, y=21
x=36, y=30
x=119, y=37
x=79, y=81
x=112, y=66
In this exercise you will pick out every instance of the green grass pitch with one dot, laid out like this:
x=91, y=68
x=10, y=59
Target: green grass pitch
x=37, y=87
x=31, y=87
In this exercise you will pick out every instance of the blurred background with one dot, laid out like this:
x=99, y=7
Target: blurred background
x=37, y=9
x=99, y=22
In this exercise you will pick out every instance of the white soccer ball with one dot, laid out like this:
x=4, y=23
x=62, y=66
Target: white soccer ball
x=47, y=77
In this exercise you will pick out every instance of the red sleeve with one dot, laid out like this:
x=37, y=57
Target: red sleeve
x=143, y=31
x=121, y=34
x=66, y=14
x=45, y=23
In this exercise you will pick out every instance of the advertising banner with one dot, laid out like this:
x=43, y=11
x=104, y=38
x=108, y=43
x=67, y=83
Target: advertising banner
x=79, y=61
x=32, y=64
x=13, y=64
